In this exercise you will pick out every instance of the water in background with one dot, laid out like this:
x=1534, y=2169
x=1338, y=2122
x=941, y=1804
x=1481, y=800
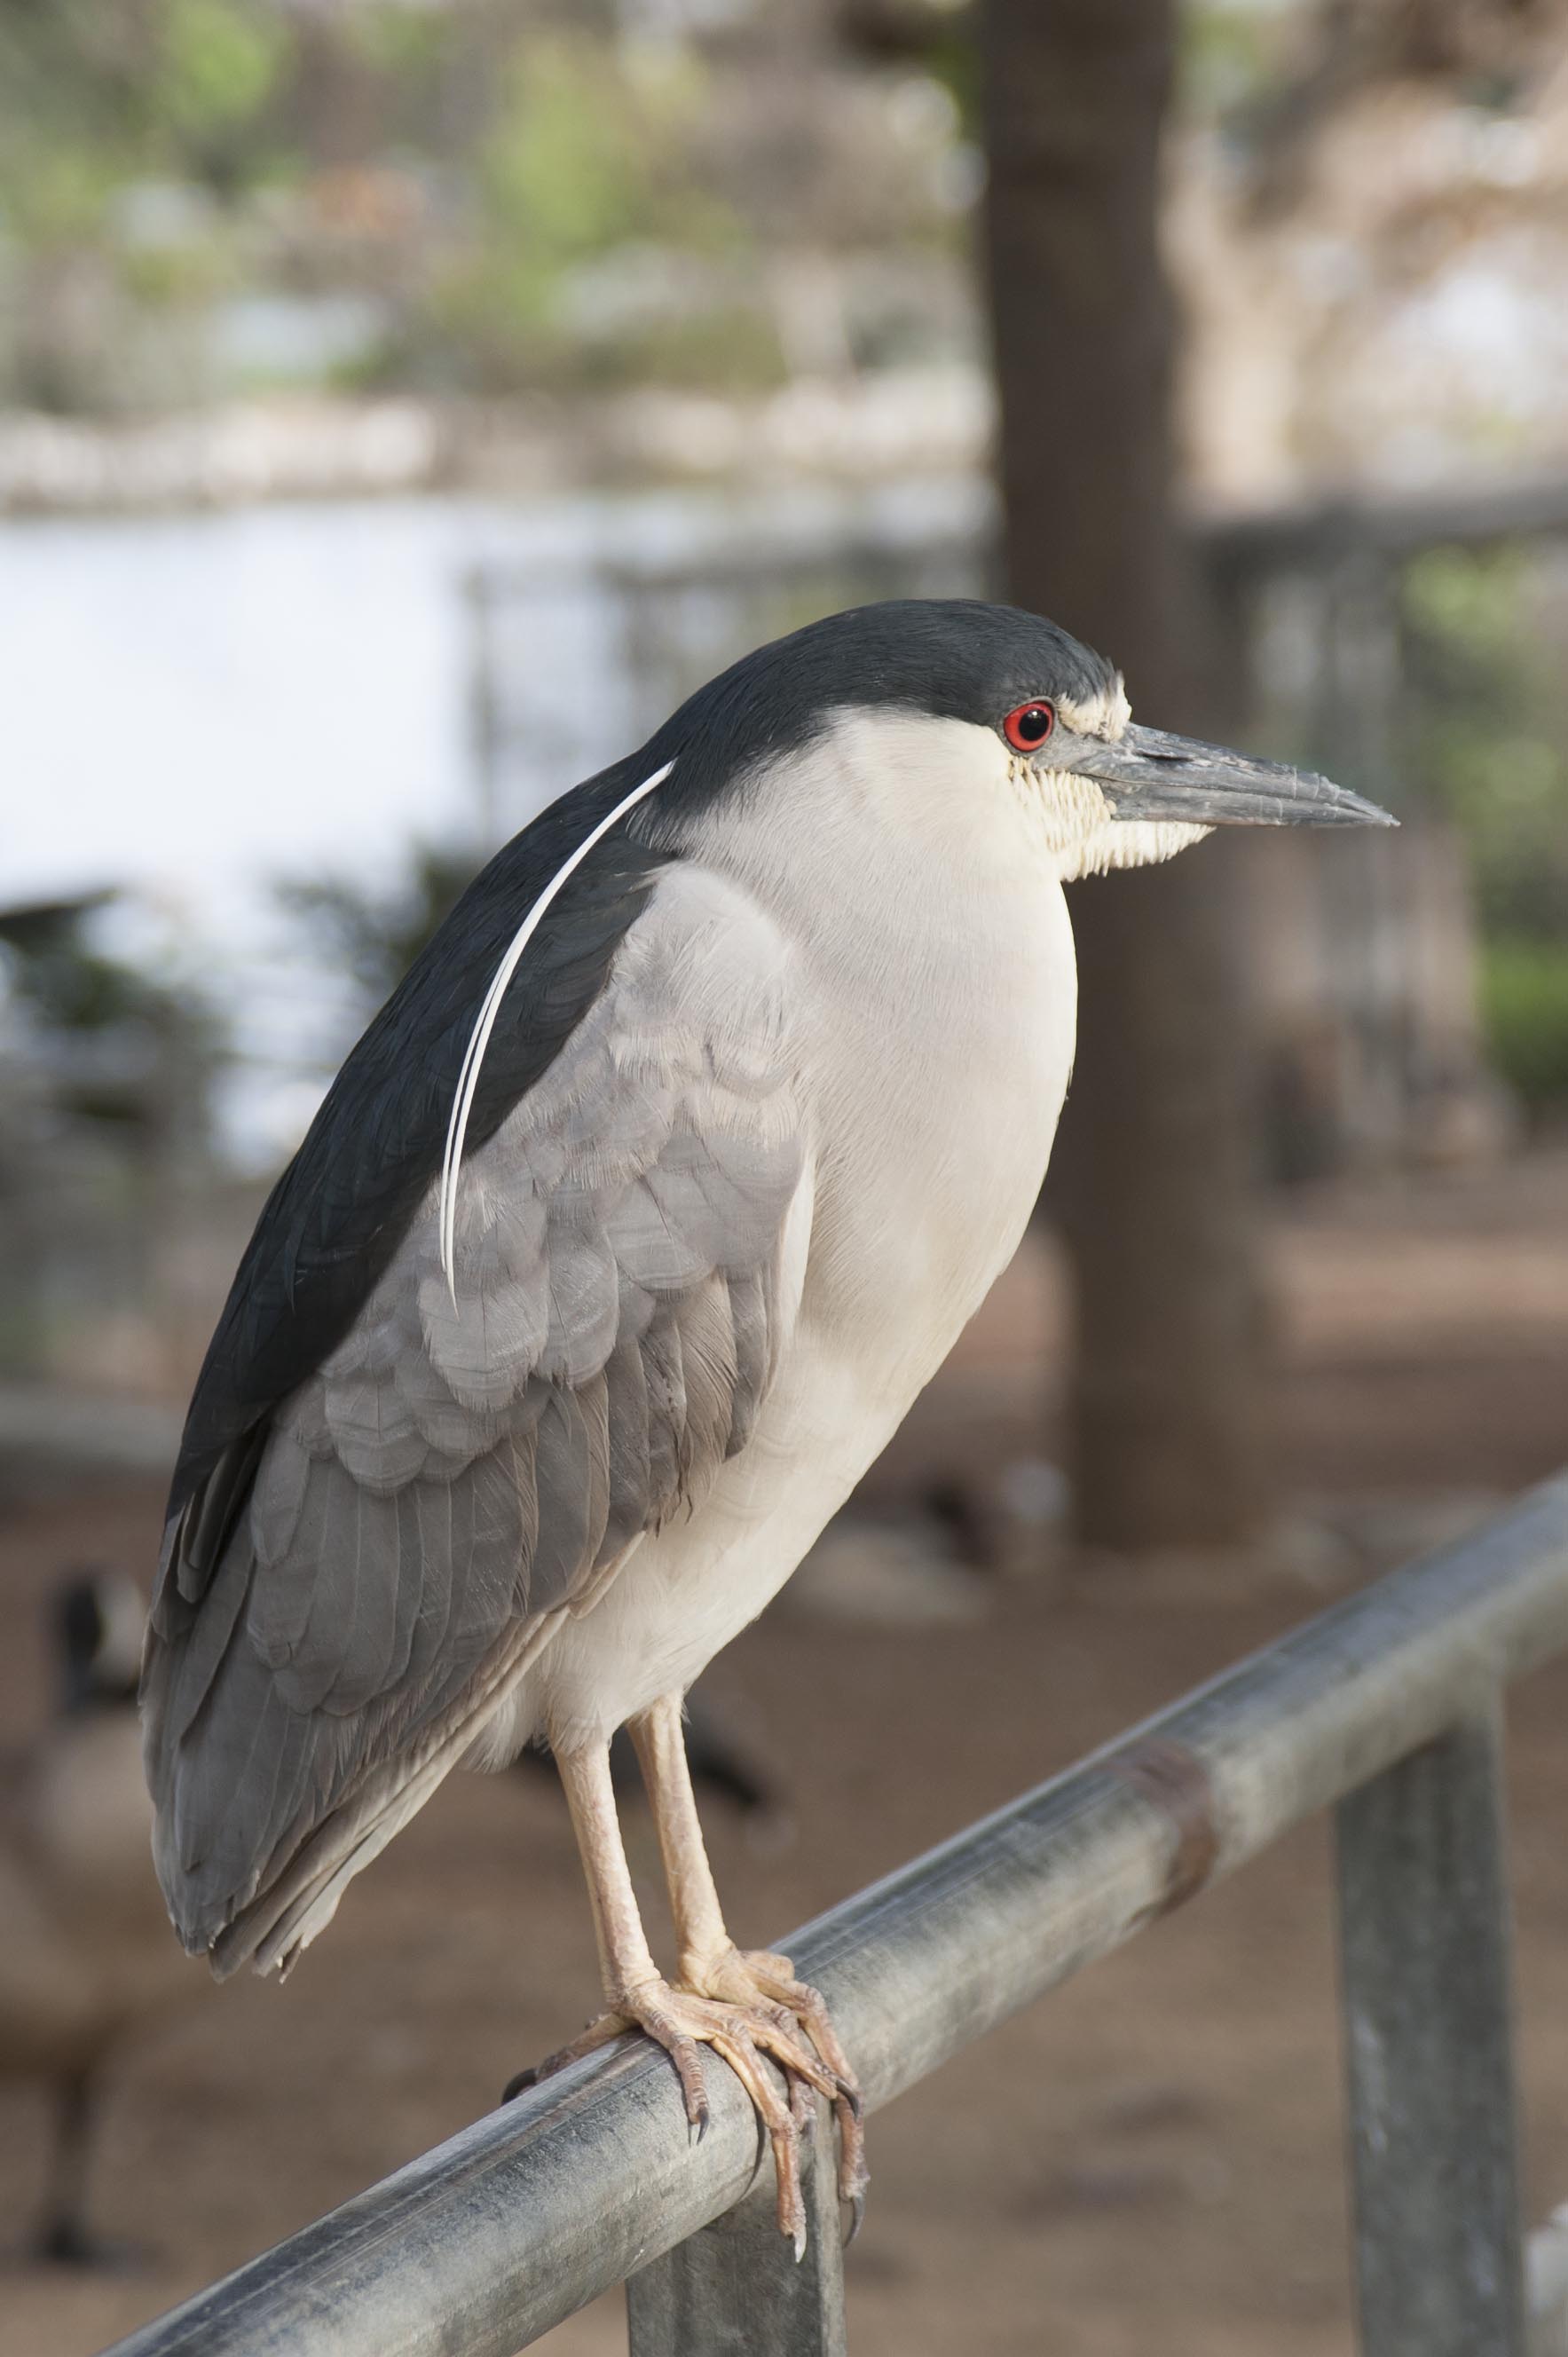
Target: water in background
x=197, y=705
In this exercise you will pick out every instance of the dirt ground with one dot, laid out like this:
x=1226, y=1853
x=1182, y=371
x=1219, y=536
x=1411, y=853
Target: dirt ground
x=1149, y=2159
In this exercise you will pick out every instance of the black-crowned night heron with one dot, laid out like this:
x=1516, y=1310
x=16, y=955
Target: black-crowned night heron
x=622, y=1242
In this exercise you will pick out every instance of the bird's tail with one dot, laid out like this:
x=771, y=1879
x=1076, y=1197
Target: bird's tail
x=270, y=1930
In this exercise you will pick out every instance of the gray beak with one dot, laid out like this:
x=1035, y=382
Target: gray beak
x=1148, y=774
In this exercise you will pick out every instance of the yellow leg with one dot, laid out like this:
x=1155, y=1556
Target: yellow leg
x=709, y=1963
x=680, y=2019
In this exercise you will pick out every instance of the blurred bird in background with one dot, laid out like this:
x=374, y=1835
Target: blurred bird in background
x=86, y=1962
x=618, y=1250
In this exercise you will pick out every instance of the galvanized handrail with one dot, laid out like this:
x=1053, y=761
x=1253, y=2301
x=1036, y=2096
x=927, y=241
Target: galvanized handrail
x=1387, y=1704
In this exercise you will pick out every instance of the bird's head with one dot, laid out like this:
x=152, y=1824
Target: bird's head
x=1113, y=793
x=988, y=712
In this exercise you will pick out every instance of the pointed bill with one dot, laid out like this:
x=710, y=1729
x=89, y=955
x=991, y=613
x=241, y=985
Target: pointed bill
x=1148, y=774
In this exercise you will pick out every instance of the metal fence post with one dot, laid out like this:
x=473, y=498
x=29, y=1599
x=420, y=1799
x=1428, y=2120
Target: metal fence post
x=1424, y=1943
x=735, y=2289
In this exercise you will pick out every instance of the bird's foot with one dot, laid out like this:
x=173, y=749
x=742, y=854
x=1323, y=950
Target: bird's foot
x=759, y=1980
x=742, y=2032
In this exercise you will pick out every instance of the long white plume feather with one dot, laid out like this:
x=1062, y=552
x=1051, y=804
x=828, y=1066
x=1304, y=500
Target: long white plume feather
x=479, y=1038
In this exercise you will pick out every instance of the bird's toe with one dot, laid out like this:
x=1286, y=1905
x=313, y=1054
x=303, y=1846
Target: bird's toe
x=598, y=2033
x=764, y=1984
x=748, y=2037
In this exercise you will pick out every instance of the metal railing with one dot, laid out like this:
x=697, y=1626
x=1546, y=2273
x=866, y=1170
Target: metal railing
x=1387, y=1706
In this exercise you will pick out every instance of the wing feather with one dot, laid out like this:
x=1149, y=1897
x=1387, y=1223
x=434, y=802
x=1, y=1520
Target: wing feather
x=465, y=1461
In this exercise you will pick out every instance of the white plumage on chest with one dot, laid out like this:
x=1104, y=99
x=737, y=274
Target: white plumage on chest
x=931, y=1027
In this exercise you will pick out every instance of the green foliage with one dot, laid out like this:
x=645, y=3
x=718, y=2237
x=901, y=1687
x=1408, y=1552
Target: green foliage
x=1487, y=728
x=100, y=107
x=218, y=63
x=63, y=133
x=1524, y=1002
x=951, y=58
x=588, y=153
x=92, y=98
x=1226, y=61
x=522, y=195
x=54, y=194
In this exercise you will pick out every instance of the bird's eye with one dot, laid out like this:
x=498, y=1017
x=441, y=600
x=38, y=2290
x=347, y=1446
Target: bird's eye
x=1030, y=725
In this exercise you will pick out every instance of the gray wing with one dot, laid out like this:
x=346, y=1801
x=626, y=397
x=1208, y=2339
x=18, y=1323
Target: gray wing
x=458, y=1469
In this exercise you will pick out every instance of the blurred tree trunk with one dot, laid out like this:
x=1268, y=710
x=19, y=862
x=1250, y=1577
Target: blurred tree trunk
x=1152, y=1173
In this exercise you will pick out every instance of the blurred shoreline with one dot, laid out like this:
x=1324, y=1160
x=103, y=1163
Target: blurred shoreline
x=932, y=420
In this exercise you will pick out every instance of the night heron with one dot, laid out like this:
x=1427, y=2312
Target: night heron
x=621, y=1244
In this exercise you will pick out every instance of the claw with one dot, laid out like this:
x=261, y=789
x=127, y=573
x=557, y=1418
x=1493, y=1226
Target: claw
x=751, y=2010
x=748, y=2036
x=766, y=1984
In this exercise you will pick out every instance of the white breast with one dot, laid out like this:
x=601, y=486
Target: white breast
x=934, y=987
x=938, y=997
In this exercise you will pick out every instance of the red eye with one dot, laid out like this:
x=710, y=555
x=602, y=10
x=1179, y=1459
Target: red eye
x=1030, y=726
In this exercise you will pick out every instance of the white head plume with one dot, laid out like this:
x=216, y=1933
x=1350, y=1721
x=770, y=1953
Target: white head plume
x=479, y=1038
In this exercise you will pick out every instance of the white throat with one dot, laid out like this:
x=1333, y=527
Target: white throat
x=958, y=792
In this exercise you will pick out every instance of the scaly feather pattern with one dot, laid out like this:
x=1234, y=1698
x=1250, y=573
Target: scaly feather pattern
x=476, y=1454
